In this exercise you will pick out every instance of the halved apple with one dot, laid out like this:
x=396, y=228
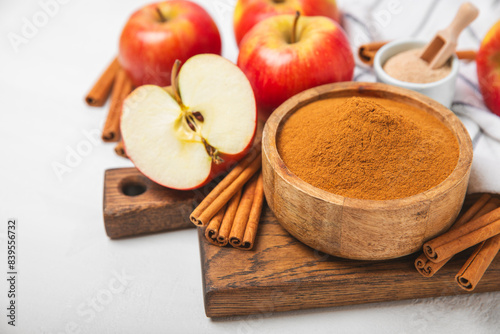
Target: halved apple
x=183, y=140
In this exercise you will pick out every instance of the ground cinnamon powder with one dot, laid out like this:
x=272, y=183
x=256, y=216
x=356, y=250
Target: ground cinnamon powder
x=367, y=148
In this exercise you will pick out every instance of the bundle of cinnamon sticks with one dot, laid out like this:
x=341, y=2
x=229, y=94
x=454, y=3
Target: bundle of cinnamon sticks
x=479, y=225
x=115, y=82
x=231, y=212
x=366, y=52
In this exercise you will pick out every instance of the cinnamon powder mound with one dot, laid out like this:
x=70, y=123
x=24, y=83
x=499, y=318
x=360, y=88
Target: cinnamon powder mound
x=367, y=148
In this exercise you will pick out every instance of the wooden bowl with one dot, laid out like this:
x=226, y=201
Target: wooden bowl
x=358, y=228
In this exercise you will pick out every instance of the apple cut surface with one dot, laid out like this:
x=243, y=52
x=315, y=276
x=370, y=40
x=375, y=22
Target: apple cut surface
x=221, y=92
x=150, y=126
x=158, y=137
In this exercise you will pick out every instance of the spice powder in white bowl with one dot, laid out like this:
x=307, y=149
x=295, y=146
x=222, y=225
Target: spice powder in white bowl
x=409, y=67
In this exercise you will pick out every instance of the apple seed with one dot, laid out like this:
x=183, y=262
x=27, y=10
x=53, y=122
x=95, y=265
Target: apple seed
x=190, y=123
x=198, y=116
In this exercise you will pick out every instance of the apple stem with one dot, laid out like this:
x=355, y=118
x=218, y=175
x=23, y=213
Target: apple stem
x=294, y=27
x=160, y=15
x=175, y=81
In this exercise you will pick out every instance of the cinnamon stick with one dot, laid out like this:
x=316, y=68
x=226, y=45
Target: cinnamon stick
x=243, y=212
x=120, y=149
x=254, y=217
x=482, y=206
x=223, y=185
x=121, y=88
x=473, y=270
x=455, y=241
x=430, y=268
x=420, y=262
x=469, y=55
x=227, y=221
x=99, y=93
x=212, y=230
x=217, y=202
x=366, y=52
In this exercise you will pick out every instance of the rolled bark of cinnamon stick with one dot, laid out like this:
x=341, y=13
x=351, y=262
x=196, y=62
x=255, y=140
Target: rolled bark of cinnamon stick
x=99, y=93
x=473, y=270
x=468, y=235
x=121, y=88
x=481, y=207
x=120, y=149
x=223, y=185
x=212, y=230
x=421, y=261
x=243, y=213
x=201, y=219
x=469, y=55
x=430, y=268
x=366, y=52
x=254, y=216
x=227, y=221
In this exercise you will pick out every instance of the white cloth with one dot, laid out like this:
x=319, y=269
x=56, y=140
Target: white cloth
x=378, y=20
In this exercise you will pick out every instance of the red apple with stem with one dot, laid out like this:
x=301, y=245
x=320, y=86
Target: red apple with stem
x=286, y=54
x=184, y=139
x=158, y=34
x=488, y=68
x=248, y=13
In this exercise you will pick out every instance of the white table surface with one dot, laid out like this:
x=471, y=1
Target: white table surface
x=68, y=267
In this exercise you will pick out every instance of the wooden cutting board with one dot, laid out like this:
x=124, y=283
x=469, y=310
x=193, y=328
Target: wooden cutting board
x=282, y=274
x=134, y=205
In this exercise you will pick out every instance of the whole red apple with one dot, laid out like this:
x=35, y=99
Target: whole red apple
x=247, y=13
x=284, y=55
x=488, y=68
x=158, y=34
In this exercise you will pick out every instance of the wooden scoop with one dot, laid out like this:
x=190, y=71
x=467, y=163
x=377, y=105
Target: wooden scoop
x=443, y=45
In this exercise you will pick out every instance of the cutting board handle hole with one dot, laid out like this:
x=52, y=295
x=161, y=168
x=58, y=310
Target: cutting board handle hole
x=133, y=185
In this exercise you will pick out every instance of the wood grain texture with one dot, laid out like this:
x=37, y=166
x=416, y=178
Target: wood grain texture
x=157, y=209
x=282, y=274
x=355, y=228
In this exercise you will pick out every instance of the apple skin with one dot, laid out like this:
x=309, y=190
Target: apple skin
x=229, y=159
x=247, y=13
x=277, y=70
x=488, y=68
x=148, y=47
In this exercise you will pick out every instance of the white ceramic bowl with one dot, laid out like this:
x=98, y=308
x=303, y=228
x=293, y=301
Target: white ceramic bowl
x=442, y=90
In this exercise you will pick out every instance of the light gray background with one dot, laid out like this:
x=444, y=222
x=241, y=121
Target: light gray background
x=72, y=277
